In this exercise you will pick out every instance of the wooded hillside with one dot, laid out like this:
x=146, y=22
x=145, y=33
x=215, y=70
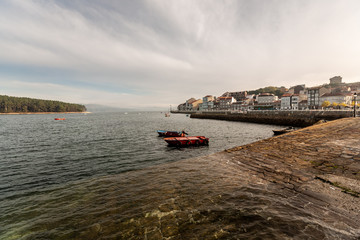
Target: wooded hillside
x=22, y=104
x=277, y=91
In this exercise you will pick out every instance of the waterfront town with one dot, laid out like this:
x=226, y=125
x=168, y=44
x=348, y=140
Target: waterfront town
x=334, y=95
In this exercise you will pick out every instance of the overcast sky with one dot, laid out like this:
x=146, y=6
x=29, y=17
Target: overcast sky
x=156, y=53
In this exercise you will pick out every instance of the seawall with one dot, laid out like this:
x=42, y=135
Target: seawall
x=287, y=118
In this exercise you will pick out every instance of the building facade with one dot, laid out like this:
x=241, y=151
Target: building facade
x=286, y=101
x=189, y=104
x=265, y=98
x=337, y=98
x=313, y=96
x=225, y=102
x=208, y=103
x=237, y=95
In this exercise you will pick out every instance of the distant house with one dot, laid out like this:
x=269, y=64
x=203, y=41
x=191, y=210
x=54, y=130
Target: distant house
x=286, y=101
x=189, y=104
x=277, y=105
x=341, y=89
x=303, y=105
x=298, y=89
x=291, y=101
x=337, y=98
x=237, y=95
x=236, y=106
x=295, y=99
x=208, y=102
x=182, y=107
x=196, y=104
x=314, y=94
x=225, y=102
x=266, y=98
x=355, y=89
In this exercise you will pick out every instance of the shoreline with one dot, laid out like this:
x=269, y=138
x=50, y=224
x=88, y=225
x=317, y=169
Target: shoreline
x=307, y=180
x=28, y=113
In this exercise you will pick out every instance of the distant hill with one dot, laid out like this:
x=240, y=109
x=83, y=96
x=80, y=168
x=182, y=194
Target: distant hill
x=278, y=91
x=24, y=105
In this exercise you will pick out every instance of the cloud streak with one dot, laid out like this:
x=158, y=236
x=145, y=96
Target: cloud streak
x=167, y=51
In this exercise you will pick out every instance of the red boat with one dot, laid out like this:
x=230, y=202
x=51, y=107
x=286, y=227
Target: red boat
x=60, y=118
x=187, y=141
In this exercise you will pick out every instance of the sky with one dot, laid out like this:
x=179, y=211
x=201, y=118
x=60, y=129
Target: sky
x=151, y=54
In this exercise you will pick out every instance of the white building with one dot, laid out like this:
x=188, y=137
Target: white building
x=337, y=98
x=286, y=101
x=264, y=98
x=291, y=101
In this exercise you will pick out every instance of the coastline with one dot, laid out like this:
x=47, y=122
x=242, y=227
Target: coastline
x=27, y=113
x=304, y=185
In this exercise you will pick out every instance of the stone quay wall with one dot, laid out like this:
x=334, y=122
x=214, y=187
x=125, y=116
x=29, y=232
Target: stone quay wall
x=297, y=118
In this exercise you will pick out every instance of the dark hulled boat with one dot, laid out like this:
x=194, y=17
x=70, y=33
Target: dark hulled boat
x=282, y=131
x=163, y=133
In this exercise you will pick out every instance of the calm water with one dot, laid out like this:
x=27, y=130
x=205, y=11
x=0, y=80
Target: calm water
x=96, y=176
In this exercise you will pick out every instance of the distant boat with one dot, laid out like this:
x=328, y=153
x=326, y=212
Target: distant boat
x=168, y=113
x=163, y=133
x=59, y=118
x=187, y=141
x=125, y=113
x=282, y=131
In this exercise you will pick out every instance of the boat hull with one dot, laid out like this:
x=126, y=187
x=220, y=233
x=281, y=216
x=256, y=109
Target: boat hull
x=282, y=131
x=187, y=141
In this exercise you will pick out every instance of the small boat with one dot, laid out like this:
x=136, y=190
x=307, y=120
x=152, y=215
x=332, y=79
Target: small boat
x=187, y=141
x=59, y=118
x=167, y=114
x=282, y=131
x=163, y=133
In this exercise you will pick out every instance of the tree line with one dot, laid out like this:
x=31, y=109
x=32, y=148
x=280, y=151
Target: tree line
x=277, y=91
x=23, y=105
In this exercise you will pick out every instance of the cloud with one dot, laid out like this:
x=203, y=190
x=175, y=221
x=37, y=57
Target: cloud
x=168, y=51
x=13, y=87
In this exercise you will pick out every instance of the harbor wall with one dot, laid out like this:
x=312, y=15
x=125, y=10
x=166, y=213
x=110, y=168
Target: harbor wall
x=297, y=118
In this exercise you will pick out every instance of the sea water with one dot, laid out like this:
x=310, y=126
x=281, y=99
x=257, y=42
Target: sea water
x=88, y=176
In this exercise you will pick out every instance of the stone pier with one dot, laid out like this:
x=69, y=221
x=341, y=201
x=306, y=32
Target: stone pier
x=299, y=118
